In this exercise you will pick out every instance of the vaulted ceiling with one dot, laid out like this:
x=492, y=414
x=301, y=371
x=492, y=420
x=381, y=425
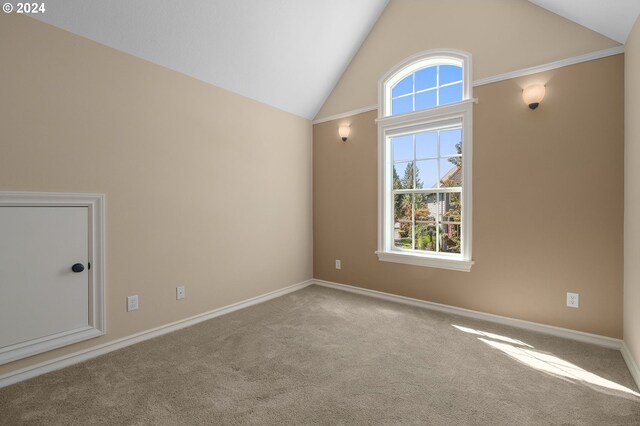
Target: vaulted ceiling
x=612, y=18
x=285, y=53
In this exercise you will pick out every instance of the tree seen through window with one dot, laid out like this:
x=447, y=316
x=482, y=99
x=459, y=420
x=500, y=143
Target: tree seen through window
x=428, y=221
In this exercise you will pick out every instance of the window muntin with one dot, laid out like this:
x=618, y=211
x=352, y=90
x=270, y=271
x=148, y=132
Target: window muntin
x=427, y=190
x=427, y=87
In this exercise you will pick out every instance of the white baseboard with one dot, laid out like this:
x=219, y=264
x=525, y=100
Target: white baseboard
x=631, y=363
x=86, y=354
x=95, y=351
x=607, y=342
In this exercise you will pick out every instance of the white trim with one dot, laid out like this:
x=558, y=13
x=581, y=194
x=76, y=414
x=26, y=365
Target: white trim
x=435, y=114
x=345, y=114
x=594, y=339
x=96, y=274
x=631, y=363
x=500, y=77
x=551, y=65
x=86, y=354
x=430, y=261
x=47, y=343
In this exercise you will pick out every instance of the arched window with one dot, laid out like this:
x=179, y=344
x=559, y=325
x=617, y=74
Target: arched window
x=430, y=79
x=425, y=161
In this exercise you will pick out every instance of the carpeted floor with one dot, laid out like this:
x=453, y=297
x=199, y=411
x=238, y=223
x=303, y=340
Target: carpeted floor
x=322, y=356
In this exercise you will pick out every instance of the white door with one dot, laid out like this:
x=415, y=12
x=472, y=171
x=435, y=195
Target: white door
x=40, y=294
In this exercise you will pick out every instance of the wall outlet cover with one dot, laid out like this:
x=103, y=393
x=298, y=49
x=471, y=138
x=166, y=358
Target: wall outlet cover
x=573, y=300
x=132, y=303
x=338, y=264
x=180, y=292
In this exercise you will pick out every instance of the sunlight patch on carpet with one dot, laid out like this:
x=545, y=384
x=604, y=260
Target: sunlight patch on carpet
x=543, y=361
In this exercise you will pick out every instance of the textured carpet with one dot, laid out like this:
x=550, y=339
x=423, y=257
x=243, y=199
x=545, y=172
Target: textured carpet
x=321, y=356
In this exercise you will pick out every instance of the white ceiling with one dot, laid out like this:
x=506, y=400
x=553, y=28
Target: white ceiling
x=612, y=18
x=285, y=53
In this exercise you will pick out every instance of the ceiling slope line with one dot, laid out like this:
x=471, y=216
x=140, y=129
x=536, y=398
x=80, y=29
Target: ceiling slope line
x=611, y=19
x=287, y=54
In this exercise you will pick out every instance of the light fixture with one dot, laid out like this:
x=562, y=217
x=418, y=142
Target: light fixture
x=344, y=131
x=533, y=95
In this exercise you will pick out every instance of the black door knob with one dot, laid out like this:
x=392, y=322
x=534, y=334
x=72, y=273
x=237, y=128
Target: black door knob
x=78, y=267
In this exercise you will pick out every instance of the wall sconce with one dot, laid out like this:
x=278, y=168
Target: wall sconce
x=533, y=95
x=344, y=131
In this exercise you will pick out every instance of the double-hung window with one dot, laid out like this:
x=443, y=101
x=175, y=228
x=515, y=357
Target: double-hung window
x=425, y=153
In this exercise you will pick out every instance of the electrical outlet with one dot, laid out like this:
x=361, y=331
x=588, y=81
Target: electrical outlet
x=132, y=303
x=180, y=292
x=573, y=300
x=338, y=264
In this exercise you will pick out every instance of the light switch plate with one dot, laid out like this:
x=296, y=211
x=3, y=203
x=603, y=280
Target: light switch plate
x=180, y=292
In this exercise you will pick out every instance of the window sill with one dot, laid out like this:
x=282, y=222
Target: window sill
x=429, y=261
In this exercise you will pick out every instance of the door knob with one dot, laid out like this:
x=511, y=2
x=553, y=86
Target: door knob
x=78, y=267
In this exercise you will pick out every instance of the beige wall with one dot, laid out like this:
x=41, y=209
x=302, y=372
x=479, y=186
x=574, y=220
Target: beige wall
x=632, y=194
x=204, y=188
x=502, y=35
x=547, y=204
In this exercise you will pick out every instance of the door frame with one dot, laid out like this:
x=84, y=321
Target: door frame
x=97, y=321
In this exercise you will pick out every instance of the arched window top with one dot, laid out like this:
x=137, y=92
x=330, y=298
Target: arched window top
x=426, y=80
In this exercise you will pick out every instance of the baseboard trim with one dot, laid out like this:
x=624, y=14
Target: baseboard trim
x=594, y=339
x=93, y=352
x=631, y=363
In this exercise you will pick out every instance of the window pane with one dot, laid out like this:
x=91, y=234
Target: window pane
x=450, y=142
x=402, y=148
x=450, y=207
x=397, y=183
x=426, y=236
x=425, y=100
x=425, y=222
x=425, y=207
x=402, y=207
x=451, y=94
x=450, y=229
x=449, y=74
x=402, y=105
x=451, y=171
x=450, y=236
x=427, y=174
x=426, y=78
x=402, y=232
x=427, y=145
x=406, y=174
x=403, y=87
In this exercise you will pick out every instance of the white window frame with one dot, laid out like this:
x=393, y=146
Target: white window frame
x=423, y=120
